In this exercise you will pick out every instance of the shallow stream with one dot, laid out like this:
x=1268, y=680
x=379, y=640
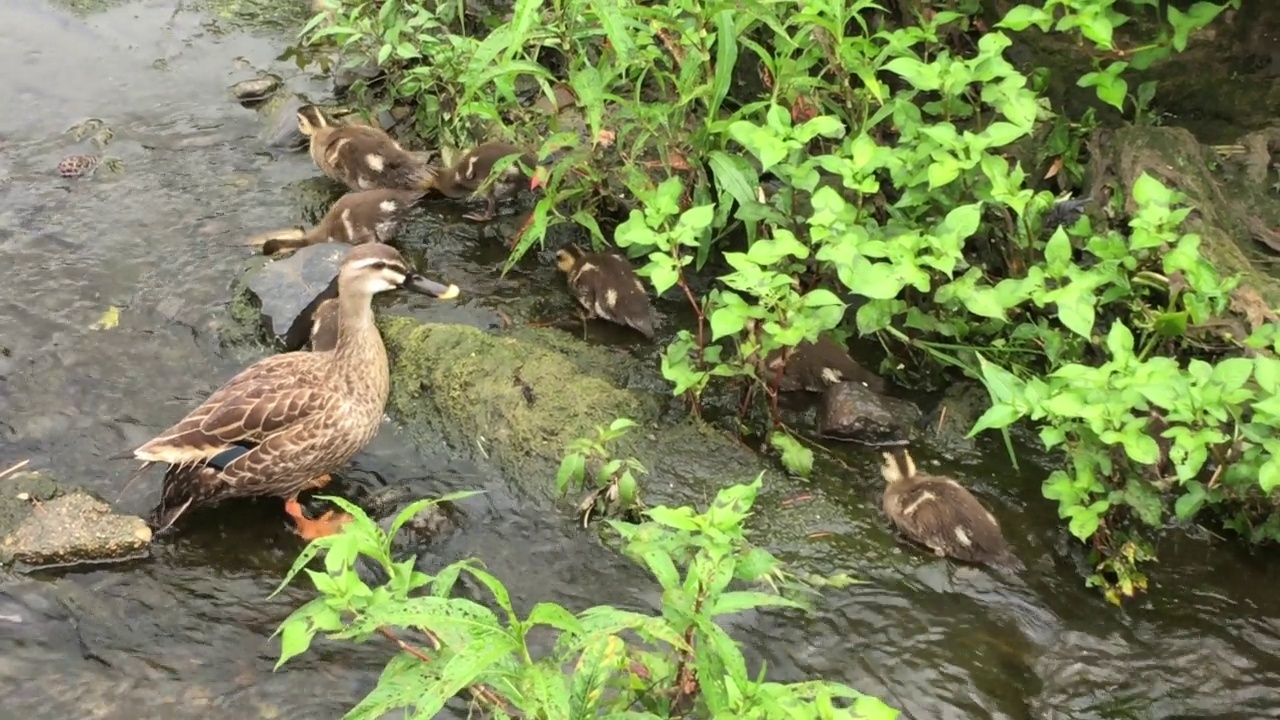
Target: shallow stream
x=186, y=633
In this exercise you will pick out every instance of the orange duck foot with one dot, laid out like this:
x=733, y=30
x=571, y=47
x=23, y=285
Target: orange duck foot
x=328, y=524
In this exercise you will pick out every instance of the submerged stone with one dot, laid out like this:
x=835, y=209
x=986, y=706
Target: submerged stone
x=852, y=411
x=45, y=525
x=288, y=291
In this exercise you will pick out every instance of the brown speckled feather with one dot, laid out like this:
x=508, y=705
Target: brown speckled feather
x=606, y=286
x=931, y=509
x=365, y=158
x=355, y=219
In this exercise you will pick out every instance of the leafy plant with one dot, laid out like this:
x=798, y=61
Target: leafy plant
x=604, y=662
x=614, y=490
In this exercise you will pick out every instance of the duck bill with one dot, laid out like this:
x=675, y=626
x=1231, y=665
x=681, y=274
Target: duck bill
x=423, y=286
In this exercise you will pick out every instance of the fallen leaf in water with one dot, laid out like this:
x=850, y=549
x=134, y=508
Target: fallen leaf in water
x=109, y=320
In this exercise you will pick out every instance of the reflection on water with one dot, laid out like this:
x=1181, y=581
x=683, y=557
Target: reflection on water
x=186, y=633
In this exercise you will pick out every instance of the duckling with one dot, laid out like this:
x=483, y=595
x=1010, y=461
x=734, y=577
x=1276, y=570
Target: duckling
x=356, y=218
x=324, y=326
x=362, y=157
x=606, y=285
x=286, y=422
x=814, y=366
x=939, y=513
x=465, y=178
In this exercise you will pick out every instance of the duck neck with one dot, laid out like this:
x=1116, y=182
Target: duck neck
x=355, y=323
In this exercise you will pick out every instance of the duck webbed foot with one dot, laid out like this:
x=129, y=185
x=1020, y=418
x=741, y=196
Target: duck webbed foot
x=490, y=210
x=328, y=524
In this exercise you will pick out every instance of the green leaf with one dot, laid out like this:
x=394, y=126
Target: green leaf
x=827, y=126
x=1141, y=447
x=1057, y=253
x=1188, y=504
x=726, y=321
x=1024, y=16
x=922, y=76
x=735, y=602
x=295, y=637
x=1075, y=310
x=679, y=518
x=1120, y=341
x=572, y=470
x=942, y=172
x=1269, y=474
x=797, y=458
x=726, y=59
x=821, y=297
x=1266, y=371
x=984, y=302
x=996, y=417
x=1064, y=405
x=1233, y=373
x=698, y=218
x=545, y=613
x=1003, y=385
x=733, y=175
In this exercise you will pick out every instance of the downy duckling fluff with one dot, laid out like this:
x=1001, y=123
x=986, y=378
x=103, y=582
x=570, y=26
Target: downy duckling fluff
x=465, y=178
x=362, y=157
x=286, y=422
x=813, y=366
x=324, y=325
x=356, y=218
x=942, y=515
x=606, y=286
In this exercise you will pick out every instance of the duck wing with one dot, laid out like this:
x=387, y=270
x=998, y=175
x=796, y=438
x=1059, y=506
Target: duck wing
x=270, y=396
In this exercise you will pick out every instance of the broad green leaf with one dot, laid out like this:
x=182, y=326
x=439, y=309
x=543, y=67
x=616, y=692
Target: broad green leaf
x=730, y=603
x=1141, y=447
x=996, y=417
x=1269, y=475
x=942, y=172
x=827, y=126
x=922, y=76
x=984, y=302
x=726, y=321
x=797, y=458
x=1057, y=253
x=1023, y=16
x=1076, y=311
x=1233, y=373
x=1120, y=341
x=1190, y=502
x=1266, y=371
x=545, y=613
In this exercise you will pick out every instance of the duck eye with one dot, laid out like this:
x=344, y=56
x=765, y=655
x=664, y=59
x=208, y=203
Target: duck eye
x=380, y=265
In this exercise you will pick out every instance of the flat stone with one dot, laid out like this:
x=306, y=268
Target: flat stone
x=287, y=291
x=75, y=529
x=852, y=411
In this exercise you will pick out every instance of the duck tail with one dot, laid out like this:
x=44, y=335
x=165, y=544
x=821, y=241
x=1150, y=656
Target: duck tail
x=185, y=487
x=425, y=179
x=1010, y=561
x=277, y=240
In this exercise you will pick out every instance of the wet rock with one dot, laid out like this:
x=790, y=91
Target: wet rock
x=345, y=78
x=960, y=407
x=314, y=196
x=255, y=91
x=288, y=291
x=46, y=525
x=280, y=122
x=852, y=411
